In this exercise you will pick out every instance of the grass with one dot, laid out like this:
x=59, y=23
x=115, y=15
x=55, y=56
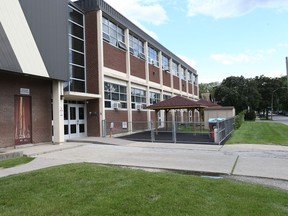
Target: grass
x=88, y=189
x=260, y=133
x=15, y=162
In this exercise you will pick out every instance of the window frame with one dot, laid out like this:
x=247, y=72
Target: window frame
x=153, y=56
x=141, y=96
x=165, y=63
x=137, y=47
x=153, y=99
x=113, y=90
x=113, y=33
x=76, y=83
x=175, y=66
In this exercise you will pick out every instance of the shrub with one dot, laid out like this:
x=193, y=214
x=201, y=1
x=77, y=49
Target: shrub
x=250, y=116
x=239, y=120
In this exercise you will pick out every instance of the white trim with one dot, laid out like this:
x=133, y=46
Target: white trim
x=21, y=39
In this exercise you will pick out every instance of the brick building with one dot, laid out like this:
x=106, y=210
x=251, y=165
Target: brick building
x=66, y=68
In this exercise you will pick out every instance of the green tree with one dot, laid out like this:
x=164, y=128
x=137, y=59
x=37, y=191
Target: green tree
x=237, y=92
x=208, y=88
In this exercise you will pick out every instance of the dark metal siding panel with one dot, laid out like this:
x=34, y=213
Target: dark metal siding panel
x=8, y=59
x=90, y=5
x=48, y=21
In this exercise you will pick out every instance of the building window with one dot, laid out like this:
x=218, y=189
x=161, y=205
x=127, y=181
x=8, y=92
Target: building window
x=190, y=76
x=195, y=79
x=165, y=63
x=113, y=34
x=138, y=98
x=166, y=97
x=136, y=47
x=153, y=56
x=182, y=71
x=154, y=98
x=175, y=69
x=76, y=38
x=115, y=93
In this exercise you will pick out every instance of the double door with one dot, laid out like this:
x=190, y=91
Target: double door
x=74, y=120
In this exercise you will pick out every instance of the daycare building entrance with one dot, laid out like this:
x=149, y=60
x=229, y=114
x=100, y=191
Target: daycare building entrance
x=74, y=119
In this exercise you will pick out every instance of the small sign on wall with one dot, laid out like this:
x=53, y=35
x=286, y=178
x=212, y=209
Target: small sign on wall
x=24, y=91
x=124, y=125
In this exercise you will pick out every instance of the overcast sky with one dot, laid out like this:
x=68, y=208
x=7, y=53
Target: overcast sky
x=219, y=38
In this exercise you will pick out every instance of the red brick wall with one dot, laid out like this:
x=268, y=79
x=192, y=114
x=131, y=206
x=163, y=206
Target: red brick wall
x=153, y=115
x=190, y=86
x=166, y=79
x=93, y=118
x=170, y=116
x=40, y=93
x=176, y=83
x=139, y=120
x=92, y=74
x=117, y=117
x=154, y=75
x=184, y=87
x=139, y=116
x=195, y=90
x=137, y=67
x=114, y=58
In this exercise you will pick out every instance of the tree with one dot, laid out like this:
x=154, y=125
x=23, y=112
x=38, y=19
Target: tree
x=253, y=94
x=208, y=88
x=238, y=92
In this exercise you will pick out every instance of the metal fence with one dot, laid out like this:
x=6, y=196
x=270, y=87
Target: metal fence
x=223, y=130
x=173, y=132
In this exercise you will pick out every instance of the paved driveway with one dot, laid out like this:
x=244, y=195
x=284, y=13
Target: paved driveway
x=244, y=160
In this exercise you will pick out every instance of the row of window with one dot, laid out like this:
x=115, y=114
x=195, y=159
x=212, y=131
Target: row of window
x=117, y=94
x=114, y=34
x=76, y=51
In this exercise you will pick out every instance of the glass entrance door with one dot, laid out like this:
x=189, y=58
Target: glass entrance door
x=74, y=120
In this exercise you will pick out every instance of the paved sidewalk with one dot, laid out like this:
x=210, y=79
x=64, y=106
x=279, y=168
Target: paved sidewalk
x=265, y=161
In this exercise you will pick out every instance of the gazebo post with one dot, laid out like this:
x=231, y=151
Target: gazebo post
x=166, y=118
x=156, y=121
x=200, y=117
x=193, y=120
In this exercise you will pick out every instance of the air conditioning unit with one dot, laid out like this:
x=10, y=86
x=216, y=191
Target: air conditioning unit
x=139, y=107
x=117, y=105
x=142, y=56
x=106, y=37
x=131, y=50
x=165, y=68
x=121, y=45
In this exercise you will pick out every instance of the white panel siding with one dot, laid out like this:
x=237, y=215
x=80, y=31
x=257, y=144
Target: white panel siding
x=21, y=38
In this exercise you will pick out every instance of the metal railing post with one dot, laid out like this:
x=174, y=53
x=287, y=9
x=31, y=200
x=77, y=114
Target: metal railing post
x=174, y=132
x=218, y=133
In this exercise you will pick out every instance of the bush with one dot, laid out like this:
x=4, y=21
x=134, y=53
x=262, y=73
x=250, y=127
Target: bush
x=239, y=120
x=250, y=116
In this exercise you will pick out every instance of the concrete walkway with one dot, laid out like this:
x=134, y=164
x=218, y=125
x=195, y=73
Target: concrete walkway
x=265, y=161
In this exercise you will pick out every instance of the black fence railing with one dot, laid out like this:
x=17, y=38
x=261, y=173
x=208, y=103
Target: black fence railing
x=173, y=132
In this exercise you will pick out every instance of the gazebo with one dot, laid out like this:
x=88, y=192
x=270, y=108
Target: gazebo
x=179, y=102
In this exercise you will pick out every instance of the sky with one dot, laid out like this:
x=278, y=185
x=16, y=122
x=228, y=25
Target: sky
x=218, y=38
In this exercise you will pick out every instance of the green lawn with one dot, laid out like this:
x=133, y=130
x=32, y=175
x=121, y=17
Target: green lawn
x=15, y=162
x=88, y=189
x=260, y=133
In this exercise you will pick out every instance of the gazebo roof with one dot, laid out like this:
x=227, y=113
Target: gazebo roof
x=208, y=103
x=177, y=102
